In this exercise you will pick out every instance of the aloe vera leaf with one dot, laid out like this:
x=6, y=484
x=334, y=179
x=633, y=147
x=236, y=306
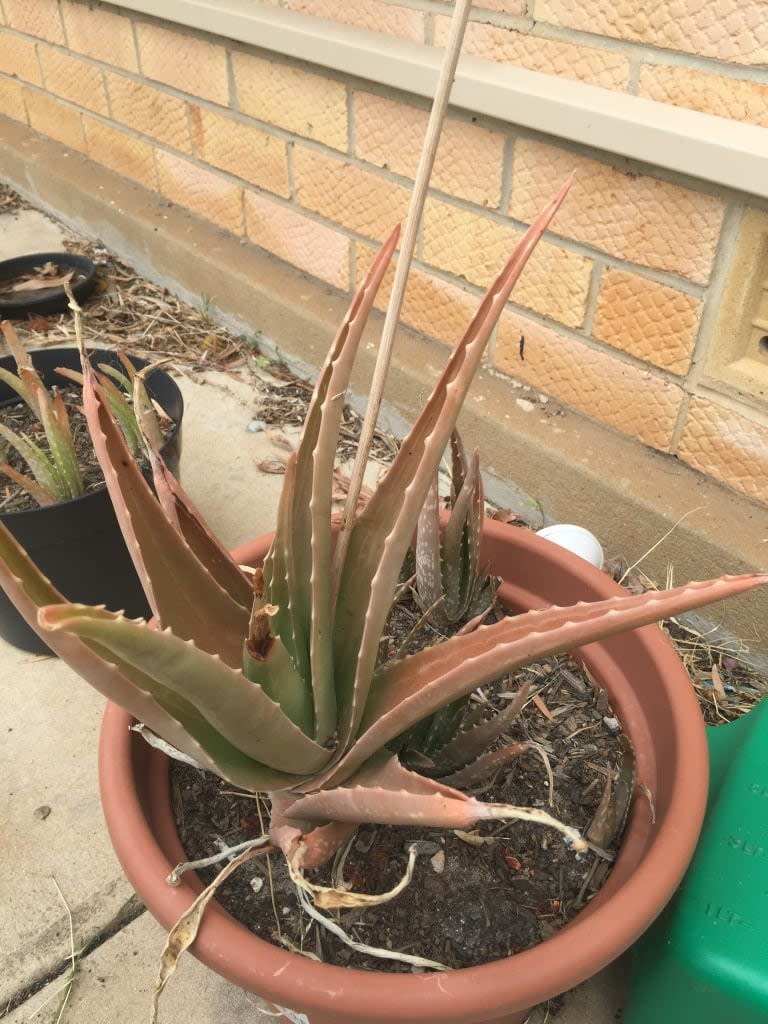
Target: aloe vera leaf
x=122, y=410
x=22, y=389
x=409, y=690
x=205, y=546
x=458, y=464
x=123, y=382
x=278, y=677
x=429, y=581
x=58, y=433
x=42, y=496
x=181, y=591
x=235, y=707
x=384, y=529
x=470, y=743
x=317, y=846
x=276, y=562
x=145, y=421
x=29, y=591
x=311, y=502
x=386, y=793
x=182, y=514
x=484, y=766
x=28, y=380
x=43, y=468
x=457, y=566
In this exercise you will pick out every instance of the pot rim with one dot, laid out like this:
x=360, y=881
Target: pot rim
x=652, y=860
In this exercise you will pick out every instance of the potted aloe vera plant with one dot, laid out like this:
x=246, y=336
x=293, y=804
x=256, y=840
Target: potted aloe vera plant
x=269, y=678
x=58, y=509
x=263, y=668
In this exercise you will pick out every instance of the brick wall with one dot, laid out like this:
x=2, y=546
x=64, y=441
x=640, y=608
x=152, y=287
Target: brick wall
x=315, y=169
x=707, y=55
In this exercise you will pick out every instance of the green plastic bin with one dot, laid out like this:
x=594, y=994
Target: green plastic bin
x=705, y=960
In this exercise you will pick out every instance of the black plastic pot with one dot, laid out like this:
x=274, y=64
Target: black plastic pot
x=44, y=301
x=78, y=544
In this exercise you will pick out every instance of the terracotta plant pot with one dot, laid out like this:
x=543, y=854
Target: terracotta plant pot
x=653, y=698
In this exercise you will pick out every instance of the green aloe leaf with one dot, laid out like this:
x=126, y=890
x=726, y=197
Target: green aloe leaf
x=234, y=707
x=42, y=466
x=303, y=536
x=58, y=433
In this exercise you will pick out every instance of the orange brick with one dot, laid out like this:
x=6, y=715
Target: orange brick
x=201, y=191
x=434, y=307
x=99, y=34
x=306, y=104
x=241, y=149
x=711, y=94
x=12, y=100
x=391, y=19
x=57, y=120
x=637, y=218
x=73, y=79
x=297, y=239
x=550, y=56
x=555, y=282
x=469, y=161
x=729, y=30
x=348, y=195
x=120, y=152
x=18, y=57
x=150, y=111
x=39, y=18
x=648, y=320
x=190, y=65
x=727, y=446
x=634, y=401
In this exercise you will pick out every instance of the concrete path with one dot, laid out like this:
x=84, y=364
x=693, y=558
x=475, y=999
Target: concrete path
x=55, y=856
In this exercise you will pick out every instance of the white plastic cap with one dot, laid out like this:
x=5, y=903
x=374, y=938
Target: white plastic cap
x=576, y=539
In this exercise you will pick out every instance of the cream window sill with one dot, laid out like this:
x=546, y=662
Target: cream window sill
x=712, y=149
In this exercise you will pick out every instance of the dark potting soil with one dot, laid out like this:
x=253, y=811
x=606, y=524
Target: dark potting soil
x=474, y=898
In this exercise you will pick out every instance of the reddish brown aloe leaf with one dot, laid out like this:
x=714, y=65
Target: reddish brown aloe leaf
x=407, y=691
x=383, y=531
x=239, y=711
x=183, y=515
x=182, y=592
x=484, y=766
x=386, y=793
x=31, y=592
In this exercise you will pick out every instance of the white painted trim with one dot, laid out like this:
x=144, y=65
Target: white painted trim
x=713, y=149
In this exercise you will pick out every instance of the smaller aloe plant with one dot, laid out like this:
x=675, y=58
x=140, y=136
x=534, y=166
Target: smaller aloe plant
x=452, y=585
x=56, y=473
